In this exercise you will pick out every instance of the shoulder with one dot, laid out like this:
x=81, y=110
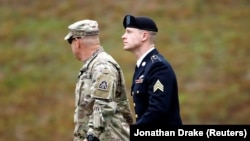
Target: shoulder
x=158, y=63
x=156, y=58
x=105, y=57
x=104, y=63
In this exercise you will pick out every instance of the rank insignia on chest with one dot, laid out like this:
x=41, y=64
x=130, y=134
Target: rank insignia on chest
x=103, y=85
x=158, y=86
x=140, y=80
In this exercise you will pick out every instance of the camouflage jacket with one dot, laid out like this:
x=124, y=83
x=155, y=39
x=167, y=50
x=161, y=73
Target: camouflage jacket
x=101, y=104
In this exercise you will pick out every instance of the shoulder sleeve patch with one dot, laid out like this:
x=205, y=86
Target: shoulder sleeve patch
x=103, y=85
x=104, y=82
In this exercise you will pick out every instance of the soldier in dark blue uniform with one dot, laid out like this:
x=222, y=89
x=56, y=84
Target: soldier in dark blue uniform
x=154, y=87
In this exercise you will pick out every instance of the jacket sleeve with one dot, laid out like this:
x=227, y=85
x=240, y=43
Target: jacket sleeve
x=161, y=84
x=103, y=89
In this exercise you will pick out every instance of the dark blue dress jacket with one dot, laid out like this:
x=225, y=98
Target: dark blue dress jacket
x=155, y=92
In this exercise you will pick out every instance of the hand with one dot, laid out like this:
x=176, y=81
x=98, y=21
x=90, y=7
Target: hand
x=91, y=138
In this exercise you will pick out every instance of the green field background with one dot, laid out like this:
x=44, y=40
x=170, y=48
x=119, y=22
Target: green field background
x=206, y=41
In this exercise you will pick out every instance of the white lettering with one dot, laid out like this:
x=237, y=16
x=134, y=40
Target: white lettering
x=194, y=132
x=213, y=132
x=157, y=132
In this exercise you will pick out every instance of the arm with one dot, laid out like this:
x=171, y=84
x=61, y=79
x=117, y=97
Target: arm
x=161, y=82
x=103, y=90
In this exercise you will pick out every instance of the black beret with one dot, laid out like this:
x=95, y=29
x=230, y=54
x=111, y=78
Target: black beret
x=144, y=23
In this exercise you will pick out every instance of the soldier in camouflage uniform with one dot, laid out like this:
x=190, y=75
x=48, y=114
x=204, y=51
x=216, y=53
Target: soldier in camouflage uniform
x=101, y=105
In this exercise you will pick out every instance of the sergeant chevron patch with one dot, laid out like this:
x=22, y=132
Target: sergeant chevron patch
x=158, y=86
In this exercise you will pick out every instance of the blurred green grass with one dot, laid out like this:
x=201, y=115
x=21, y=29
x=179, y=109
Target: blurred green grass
x=206, y=41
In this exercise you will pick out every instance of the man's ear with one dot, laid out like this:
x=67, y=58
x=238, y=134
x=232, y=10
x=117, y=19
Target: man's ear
x=144, y=36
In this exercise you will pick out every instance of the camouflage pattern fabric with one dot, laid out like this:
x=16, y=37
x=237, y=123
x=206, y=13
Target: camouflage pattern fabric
x=101, y=104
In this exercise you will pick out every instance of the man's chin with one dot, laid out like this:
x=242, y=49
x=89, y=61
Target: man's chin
x=125, y=48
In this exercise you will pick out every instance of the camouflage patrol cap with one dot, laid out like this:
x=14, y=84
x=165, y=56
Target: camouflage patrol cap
x=82, y=28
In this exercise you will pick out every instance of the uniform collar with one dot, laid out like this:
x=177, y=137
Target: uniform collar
x=143, y=56
x=90, y=59
x=95, y=54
